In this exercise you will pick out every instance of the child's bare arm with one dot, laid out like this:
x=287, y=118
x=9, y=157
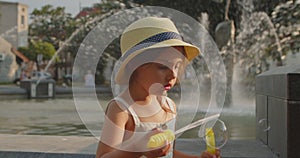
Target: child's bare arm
x=113, y=131
x=111, y=144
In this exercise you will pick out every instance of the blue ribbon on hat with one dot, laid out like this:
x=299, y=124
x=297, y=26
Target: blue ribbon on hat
x=151, y=41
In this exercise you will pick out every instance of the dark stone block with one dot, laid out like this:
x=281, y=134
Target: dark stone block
x=294, y=86
x=39, y=89
x=262, y=118
x=278, y=99
x=277, y=117
x=282, y=82
x=293, y=129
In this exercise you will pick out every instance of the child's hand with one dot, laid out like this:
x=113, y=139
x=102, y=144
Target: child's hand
x=138, y=143
x=160, y=151
x=206, y=154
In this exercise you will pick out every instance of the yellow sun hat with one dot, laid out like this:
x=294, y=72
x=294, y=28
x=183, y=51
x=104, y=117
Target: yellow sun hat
x=148, y=33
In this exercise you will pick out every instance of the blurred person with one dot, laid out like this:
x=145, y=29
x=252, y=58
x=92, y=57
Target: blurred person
x=89, y=79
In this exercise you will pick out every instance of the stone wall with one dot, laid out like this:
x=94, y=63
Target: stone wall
x=278, y=109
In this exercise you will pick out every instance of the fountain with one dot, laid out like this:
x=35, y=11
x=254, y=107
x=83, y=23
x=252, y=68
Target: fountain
x=273, y=106
x=257, y=33
x=85, y=107
x=45, y=88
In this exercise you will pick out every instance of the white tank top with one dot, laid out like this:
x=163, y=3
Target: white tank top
x=148, y=126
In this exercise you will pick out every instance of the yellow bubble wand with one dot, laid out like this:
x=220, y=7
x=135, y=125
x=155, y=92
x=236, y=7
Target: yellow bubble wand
x=159, y=139
x=210, y=140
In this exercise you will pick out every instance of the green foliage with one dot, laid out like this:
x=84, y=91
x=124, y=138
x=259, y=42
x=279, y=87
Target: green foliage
x=266, y=40
x=286, y=20
x=194, y=8
x=266, y=5
x=88, y=23
x=52, y=25
x=25, y=51
x=108, y=5
x=39, y=47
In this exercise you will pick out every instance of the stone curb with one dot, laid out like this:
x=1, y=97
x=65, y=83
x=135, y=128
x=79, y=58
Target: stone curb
x=21, y=146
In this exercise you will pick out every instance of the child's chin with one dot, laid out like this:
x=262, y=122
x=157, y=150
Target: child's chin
x=159, y=93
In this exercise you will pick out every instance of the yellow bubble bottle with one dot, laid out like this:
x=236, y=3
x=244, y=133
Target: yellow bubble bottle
x=159, y=139
x=210, y=141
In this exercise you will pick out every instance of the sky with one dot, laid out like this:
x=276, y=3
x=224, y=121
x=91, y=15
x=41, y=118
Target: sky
x=71, y=6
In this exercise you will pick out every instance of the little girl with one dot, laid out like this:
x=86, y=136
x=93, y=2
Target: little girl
x=153, y=57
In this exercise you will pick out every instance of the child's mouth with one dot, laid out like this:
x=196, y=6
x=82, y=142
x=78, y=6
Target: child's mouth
x=167, y=87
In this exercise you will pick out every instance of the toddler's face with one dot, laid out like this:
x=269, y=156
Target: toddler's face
x=161, y=75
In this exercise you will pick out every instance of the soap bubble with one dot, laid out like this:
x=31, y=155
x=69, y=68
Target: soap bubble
x=220, y=133
x=264, y=125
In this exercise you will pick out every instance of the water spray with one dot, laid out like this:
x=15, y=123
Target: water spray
x=64, y=44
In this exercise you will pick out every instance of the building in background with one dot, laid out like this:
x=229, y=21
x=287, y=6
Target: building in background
x=8, y=64
x=13, y=34
x=14, y=23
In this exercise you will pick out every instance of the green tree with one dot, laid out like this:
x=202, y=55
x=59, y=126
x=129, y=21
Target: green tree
x=266, y=40
x=286, y=21
x=52, y=25
x=108, y=5
x=36, y=48
x=87, y=24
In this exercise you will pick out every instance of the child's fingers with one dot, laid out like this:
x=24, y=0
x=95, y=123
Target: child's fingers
x=207, y=155
x=165, y=149
x=151, y=133
x=218, y=153
x=161, y=151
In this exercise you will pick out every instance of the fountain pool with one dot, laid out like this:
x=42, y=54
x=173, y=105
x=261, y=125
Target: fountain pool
x=59, y=117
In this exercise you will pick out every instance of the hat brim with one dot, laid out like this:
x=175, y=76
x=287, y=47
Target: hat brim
x=190, y=50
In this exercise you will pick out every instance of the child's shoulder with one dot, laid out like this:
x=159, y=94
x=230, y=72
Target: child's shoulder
x=171, y=104
x=115, y=107
x=117, y=115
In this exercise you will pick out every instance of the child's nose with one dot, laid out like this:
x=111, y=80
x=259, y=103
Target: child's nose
x=173, y=73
